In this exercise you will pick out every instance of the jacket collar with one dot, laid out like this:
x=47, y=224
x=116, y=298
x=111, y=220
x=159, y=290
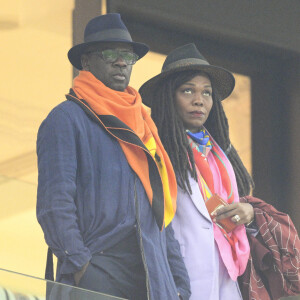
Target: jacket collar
x=197, y=199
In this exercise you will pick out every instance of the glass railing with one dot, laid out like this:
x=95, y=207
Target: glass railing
x=16, y=286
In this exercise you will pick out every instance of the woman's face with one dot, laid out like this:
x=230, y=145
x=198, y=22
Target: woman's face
x=193, y=101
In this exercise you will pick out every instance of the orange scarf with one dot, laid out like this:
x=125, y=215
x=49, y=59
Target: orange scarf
x=127, y=106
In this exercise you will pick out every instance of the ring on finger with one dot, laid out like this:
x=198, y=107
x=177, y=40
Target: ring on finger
x=236, y=218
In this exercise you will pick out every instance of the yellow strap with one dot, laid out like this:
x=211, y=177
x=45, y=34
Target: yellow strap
x=169, y=211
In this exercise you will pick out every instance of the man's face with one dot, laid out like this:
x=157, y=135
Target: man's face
x=115, y=75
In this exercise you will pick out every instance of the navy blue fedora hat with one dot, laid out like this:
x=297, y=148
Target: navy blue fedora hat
x=184, y=58
x=105, y=29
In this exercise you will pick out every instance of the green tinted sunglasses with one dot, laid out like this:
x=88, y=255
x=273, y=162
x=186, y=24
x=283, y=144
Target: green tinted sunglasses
x=112, y=55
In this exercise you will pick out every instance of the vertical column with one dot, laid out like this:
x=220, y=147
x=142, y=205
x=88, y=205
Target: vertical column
x=276, y=138
x=292, y=198
x=268, y=122
x=83, y=11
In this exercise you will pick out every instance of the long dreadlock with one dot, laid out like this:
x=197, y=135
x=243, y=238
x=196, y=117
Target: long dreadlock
x=174, y=139
x=217, y=125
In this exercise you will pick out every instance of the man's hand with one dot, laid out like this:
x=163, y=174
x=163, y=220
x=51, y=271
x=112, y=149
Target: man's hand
x=244, y=211
x=79, y=274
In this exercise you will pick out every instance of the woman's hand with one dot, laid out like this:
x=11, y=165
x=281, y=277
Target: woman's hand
x=244, y=211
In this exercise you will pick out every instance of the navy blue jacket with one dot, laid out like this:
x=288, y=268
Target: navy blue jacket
x=86, y=201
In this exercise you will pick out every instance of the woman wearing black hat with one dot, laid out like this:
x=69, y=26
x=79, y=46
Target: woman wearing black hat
x=210, y=218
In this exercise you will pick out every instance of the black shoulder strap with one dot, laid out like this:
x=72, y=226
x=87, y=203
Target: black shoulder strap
x=49, y=274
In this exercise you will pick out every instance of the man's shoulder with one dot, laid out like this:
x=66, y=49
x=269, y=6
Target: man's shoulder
x=66, y=109
x=66, y=106
x=66, y=112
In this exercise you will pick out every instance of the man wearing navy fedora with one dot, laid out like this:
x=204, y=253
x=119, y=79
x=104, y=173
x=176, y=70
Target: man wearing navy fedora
x=107, y=190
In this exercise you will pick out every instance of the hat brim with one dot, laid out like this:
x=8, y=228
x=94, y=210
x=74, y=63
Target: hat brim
x=75, y=52
x=223, y=81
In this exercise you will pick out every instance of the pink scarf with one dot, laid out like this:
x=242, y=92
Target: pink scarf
x=235, y=257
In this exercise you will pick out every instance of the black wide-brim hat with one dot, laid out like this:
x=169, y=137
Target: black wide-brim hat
x=186, y=58
x=107, y=28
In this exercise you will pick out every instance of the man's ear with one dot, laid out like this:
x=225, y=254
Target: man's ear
x=85, y=62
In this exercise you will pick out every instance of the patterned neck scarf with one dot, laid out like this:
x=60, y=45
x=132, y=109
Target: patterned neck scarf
x=201, y=145
x=201, y=137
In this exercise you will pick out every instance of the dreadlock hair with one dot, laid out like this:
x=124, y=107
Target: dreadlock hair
x=217, y=125
x=173, y=134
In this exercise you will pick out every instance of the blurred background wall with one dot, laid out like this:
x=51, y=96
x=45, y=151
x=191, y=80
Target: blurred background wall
x=258, y=41
x=35, y=74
